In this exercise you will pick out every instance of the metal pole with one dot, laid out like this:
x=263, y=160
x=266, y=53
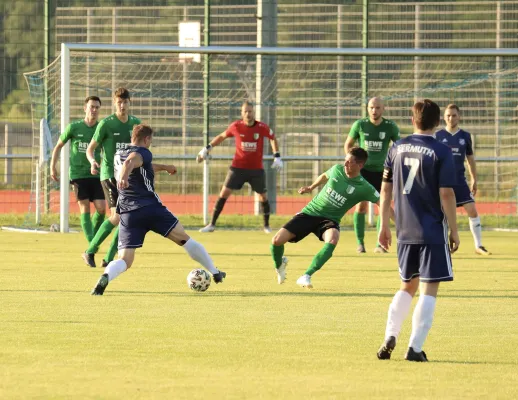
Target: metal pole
x=46, y=60
x=89, y=15
x=65, y=152
x=365, y=66
x=206, y=93
x=185, y=90
x=498, y=68
x=339, y=82
x=114, y=40
x=417, y=45
x=8, y=163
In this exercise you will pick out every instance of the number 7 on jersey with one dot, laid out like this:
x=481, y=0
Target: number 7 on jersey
x=414, y=165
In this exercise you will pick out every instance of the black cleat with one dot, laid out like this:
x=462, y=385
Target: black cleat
x=386, y=348
x=89, y=259
x=104, y=264
x=101, y=285
x=218, y=278
x=411, y=355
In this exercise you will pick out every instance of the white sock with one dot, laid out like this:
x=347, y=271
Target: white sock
x=115, y=268
x=199, y=254
x=398, y=310
x=422, y=321
x=476, y=230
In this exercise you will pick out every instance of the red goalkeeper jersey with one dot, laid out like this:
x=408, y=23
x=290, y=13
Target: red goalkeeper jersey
x=249, y=143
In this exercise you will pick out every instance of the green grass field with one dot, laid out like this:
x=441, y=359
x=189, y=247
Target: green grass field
x=149, y=336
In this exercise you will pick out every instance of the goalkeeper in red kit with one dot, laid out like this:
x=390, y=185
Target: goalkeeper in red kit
x=247, y=165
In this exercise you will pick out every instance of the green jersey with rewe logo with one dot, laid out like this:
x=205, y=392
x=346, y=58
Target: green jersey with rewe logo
x=340, y=194
x=375, y=139
x=79, y=135
x=112, y=135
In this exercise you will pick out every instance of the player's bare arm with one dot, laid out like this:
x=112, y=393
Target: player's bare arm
x=472, y=167
x=54, y=160
x=321, y=180
x=94, y=166
x=133, y=161
x=277, y=161
x=386, y=212
x=349, y=143
x=449, y=206
x=204, y=153
x=170, y=169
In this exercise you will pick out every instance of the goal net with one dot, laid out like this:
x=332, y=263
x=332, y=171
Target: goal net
x=310, y=101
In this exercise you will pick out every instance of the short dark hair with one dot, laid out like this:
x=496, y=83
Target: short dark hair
x=247, y=103
x=94, y=98
x=360, y=155
x=427, y=114
x=452, y=107
x=140, y=132
x=122, y=93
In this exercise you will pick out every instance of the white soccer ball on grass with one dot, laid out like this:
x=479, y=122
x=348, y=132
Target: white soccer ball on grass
x=198, y=280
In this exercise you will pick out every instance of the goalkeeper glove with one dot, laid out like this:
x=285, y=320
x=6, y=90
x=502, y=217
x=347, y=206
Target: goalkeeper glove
x=203, y=154
x=277, y=162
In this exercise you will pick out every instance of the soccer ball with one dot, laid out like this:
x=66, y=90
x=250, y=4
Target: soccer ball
x=198, y=280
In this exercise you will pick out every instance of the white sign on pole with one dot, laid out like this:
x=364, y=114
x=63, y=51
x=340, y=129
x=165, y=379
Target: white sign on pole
x=189, y=34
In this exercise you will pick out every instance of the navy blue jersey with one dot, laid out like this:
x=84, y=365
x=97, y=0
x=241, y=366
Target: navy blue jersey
x=141, y=190
x=461, y=146
x=419, y=166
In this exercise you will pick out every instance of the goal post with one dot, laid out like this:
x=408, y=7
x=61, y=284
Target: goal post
x=312, y=95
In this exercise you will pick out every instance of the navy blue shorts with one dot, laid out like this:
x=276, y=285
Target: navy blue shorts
x=135, y=224
x=428, y=262
x=462, y=194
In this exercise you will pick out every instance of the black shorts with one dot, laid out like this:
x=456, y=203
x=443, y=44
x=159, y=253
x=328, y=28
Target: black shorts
x=87, y=189
x=373, y=177
x=428, y=262
x=463, y=194
x=135, y=224
x=110, y=191
x=301, y=225
x=237, y=177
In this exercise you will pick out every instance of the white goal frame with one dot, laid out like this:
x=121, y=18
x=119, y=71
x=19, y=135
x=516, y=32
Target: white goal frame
x=67, y=48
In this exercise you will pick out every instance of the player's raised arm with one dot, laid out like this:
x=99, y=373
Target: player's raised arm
x=321, y=180
x=170, y=169
x=54, y=160
x=133, y=161
x=204, y=153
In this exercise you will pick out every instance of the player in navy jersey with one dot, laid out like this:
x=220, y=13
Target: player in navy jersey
x=141, y=210
x=461, y=146
x=418, y=173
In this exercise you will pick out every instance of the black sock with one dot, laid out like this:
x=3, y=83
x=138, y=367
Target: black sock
x=266, y=212
x=218, y=207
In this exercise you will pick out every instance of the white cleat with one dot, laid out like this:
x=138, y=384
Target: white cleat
x=267, y=229
x=281, y=271
x=208, y=228
x=305, y=281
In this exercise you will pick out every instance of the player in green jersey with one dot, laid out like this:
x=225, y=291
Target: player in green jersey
x=87, y=187
x=344, y=187
x=112, y=134
x=373, y=134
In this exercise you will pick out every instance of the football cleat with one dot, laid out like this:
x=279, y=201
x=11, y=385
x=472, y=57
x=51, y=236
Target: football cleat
x=218, y=278
x=305, y=281
x=104, y=263
x=380, y=250
x=89, y=259
x=103, y=281
x=267, y=229
x=281, y=271
x=412, y=355
x=386, y=348
x=482, y=251
x=208, y=228
x=360, y=249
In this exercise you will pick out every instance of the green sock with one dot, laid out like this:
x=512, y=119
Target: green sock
x=99, y=237
x=86, y=224
x=378, y=227
x=277, y=253
x=97, y=221
x=321, y=258
x=359, y=227
x=113, y=246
